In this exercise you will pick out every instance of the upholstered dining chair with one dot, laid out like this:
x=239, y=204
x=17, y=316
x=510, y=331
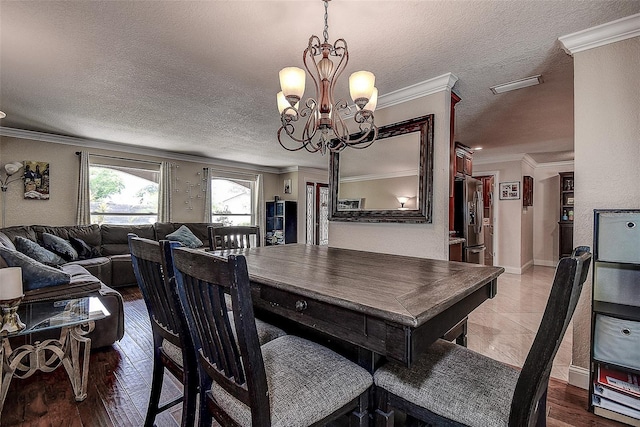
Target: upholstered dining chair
x=454, y=386
x=172, y=345
x=232, y=237
x=287, y=382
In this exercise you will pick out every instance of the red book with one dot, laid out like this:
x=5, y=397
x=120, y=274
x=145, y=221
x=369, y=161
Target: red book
x=625, y=382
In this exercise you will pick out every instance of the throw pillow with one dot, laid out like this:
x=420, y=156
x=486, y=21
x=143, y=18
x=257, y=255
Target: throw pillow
x=59, y=246
x=35, y=275
x=186, y=237
x=85, y=250
x=37, y=252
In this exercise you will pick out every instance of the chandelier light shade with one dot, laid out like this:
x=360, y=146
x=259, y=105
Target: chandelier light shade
x=323, y=126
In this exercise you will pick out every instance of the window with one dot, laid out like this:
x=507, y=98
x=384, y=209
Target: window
x=123, y=191
x=232, y=201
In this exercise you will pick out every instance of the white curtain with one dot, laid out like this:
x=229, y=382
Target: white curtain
x=83, y=212
x=207, y=174
x=258, y=203
x=164, y=193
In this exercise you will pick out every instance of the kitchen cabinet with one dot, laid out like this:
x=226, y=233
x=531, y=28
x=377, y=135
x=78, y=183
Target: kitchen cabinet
x=565, y=235
x=464, y=161
x=615, y=321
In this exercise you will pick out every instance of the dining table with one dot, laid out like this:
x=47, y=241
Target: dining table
x=387, y=306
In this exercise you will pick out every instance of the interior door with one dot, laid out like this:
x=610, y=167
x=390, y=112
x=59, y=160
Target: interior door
x=322, y=214
x=317, y=212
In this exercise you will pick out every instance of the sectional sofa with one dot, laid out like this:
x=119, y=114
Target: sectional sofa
x=108, y=269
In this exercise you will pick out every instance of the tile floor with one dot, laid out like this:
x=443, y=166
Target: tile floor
x=503, y=328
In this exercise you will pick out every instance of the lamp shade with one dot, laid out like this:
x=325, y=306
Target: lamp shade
x=292, y=80
x=12, y=168
x=361, y=84
x=373, y=101
x=283, y=103
x=10, y=283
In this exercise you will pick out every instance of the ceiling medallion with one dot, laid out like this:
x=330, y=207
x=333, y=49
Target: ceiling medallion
x=324, y=128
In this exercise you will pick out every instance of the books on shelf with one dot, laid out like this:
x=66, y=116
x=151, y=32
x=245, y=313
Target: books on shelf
x=615, y=406
x=625, y=382
x=617, y=391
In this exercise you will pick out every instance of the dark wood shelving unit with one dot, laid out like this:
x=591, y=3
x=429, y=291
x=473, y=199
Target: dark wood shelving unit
x=566, y=215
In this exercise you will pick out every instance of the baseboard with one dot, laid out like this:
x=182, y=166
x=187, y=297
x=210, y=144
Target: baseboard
x=545, y=262
x=518, y=270
x=579, y=376
x=512, y=270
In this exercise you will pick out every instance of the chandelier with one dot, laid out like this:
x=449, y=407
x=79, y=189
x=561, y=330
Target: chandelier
x=324, y=128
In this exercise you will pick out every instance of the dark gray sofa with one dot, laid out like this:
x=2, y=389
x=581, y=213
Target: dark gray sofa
x=99, y=275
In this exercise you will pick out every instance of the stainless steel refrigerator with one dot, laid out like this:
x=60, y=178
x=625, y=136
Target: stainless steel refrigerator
x=469, y=210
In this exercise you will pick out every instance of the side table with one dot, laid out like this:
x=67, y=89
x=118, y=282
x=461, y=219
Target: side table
x=75, y=318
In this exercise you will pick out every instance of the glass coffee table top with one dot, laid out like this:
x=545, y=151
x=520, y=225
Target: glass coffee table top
x=43, y=315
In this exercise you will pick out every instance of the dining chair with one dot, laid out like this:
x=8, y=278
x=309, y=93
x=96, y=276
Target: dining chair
x=172, y=345
x=233, y=236
x=289, y=381
x=454, y=386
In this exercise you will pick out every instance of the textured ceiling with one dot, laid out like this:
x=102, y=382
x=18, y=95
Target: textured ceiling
x=201, y=77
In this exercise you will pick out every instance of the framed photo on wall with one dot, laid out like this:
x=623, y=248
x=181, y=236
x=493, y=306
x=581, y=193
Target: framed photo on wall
x=510, y=190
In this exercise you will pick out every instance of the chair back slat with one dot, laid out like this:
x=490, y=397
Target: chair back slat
x=233, y=237
x=232, y=360
x=570, y=276
x=149, y=267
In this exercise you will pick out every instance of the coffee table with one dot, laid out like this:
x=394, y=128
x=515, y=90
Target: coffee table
x=75, y=319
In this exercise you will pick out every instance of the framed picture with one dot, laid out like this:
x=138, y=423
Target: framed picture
x=350, y=204
x=36, y=180
x=510, y=190
x=527, y=191
x=287, y=186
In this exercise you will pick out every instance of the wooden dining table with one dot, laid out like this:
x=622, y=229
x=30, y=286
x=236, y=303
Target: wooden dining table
x=387, y=306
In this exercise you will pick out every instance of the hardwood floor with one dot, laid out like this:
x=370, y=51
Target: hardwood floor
x=119, y=382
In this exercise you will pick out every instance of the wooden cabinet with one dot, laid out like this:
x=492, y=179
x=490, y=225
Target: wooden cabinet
x=566, y=214
x=615, y=321
x=464, y=160
x=281, y=222
x=455, y=251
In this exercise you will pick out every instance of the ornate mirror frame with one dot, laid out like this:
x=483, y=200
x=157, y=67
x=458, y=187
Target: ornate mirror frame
x=423, y=213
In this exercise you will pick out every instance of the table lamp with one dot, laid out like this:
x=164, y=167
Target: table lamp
x=11, y=294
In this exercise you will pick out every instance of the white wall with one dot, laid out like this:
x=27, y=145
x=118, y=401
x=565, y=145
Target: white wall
x=527, y=215
x=64, y=165
x=546, y=204
x=422, y=240
x=607, y=151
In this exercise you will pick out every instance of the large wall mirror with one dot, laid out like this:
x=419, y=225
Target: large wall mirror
x=389, y=181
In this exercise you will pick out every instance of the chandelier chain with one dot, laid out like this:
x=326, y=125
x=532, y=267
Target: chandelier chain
x=325, y=33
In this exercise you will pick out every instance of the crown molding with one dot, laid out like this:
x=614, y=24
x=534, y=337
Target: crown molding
x=556, y=165
x=398, y=174
x=124, y=148
x=409, y=93
x=418, y=90
x=529, y=161
x=601, y=35
x=501, y=158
